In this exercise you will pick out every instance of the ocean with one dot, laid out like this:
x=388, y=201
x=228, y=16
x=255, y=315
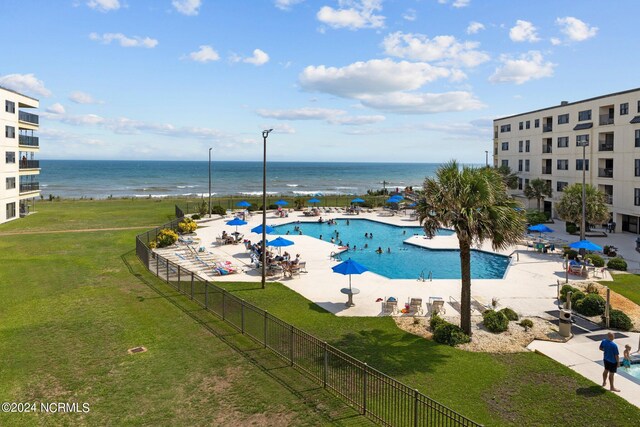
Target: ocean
x=109, y=178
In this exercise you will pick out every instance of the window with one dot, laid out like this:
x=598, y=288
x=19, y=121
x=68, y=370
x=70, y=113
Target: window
x=520, y=146
x=582, y=139
x=11, y=183
x=560, y=185
x=520, y=165
x=579, y=164
x=536, y=123
x=505, y=128
x=624, y=109
x=563, y=141
x=636, y=196
x=526, y=182
x=563, y=119
x=9, y=131
x=563, y=165
x=505, y=163
x=10, y=157
x=637, y=137
x=526, y=165
x=637, y=167
x=520, y=125
x=527, y=146
x=505, y=146
x=11, y=210
x=9, y=106
x=584, y=115
x=638, y=106
x=528, y=124
x=519, y=183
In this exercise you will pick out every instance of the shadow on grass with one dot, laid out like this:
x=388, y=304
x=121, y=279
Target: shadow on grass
x=593, y=391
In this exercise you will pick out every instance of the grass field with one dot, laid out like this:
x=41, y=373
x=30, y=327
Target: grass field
x=73, y=303
x=627, y=285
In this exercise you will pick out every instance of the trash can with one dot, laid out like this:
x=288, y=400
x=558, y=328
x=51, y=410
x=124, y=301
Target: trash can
x=565, y=323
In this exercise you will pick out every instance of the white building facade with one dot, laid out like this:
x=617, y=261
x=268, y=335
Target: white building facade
x=19, y=145
x=549, y=143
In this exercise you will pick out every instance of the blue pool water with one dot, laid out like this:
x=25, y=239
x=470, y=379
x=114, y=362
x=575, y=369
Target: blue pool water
x=405, y=261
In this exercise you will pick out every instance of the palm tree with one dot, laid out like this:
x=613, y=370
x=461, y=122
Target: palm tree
x=538, y=189
x=510, y=178
x=570, y=206
x=474, y=202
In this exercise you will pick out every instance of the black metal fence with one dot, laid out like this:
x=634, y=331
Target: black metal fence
x=376, y=395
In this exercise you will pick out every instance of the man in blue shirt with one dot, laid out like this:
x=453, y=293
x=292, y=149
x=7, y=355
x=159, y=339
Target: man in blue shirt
x=611, y=360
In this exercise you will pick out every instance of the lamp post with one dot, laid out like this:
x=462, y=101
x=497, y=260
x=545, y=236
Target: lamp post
x=265, y=134
x=583, y=223
x=486, y=157
x=209, y=182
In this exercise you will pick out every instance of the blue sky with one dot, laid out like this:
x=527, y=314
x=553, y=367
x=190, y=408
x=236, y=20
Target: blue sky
x=338, y=80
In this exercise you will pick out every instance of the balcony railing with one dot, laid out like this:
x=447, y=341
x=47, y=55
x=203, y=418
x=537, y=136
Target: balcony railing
x=29, y=164
x=31, y=141
x=546, y=149
x=605, y=172
x=608, y=198
x=29, y=186
x=606, y=120
x=605, y=146
x=23, y=116
x=546, y=170
x=547, y=128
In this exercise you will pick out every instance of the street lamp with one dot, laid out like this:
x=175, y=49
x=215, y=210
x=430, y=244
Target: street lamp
x=584, y=142
x=265, y=134
x=486, y=157
x=210, y=182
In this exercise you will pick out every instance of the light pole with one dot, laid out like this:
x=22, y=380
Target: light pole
x=486, y=157
x=209, y=182
x=583, y=223
x=265, y=134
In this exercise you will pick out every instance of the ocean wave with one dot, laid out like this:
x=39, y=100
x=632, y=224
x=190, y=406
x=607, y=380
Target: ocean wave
x=293, y=185
x=321, y=193
x=258, y=193
x=346, y=188
x=186, y=186
x=153, y=196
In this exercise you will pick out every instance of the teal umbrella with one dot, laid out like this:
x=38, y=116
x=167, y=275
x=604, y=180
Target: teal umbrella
x=357, y=200
x=243, y=204
x=281, y=202
x=349, y=267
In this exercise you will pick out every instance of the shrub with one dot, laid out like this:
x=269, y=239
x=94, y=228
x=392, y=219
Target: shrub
x=187, y=225
x=509, y=313
x=571, y=228
x=495, y=321
x=202, y=208
x=570, y=253
x=617, y=264
x=166, y=237
x=596, y=259
x=526, y=324
x=272, y=207
x=448, y=333
x=535, y=217
x=436, y=321
x=195, y=216
x=619, y=320
x=591, y=305
x=592, y=288
x=219, y=210
x=576, y=296
x=565, y=289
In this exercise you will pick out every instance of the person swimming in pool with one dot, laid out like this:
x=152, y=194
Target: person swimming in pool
x=379, y=250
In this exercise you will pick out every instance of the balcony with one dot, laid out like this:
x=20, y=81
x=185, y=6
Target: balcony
x=29, y=187
x=29, y=164
x=605, y=172
x=547, y=149
x=605, y=145
x=608, y=198
x=547, y=128
x=546, y=170
x=29, y=141
x=606, y=120
x=28, y=117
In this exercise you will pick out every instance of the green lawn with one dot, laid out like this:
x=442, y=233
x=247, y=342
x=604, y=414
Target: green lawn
x=626, y=284
x=73, y=303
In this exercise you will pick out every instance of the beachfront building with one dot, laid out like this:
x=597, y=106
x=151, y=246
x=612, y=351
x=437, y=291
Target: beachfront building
x=19, y=145
x=549, y=143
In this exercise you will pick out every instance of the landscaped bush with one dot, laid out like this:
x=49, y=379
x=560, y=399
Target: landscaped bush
x=535, y=217
x=509, y=313
x=596, y=260
x=566, y=289
x=187, y=225
x=166, y=237
x=436, y=321
x=219, y=210
x=526, y=324
x=619, y=320
x=495, y=321
x=576, y=296
x=571, y=228
x=569, y=253
x=272, y=207
x=195, y=216
x=617, y=264
x=448, y=333
x=591, y=305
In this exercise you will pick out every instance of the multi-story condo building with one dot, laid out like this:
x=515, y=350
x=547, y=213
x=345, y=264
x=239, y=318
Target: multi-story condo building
x=19, y=170
x=549, y=143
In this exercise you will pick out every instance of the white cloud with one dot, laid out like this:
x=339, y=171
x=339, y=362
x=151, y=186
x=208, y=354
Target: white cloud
x=529, y=66
x=286, y=4
x=25, y=83
x=205, y=54
x=56, y=108
x=410, y=15
x=124, y=41
x=523, y=31
x=423, y=103
x=474, y=27
x=104, y=5
x=259, y=58
x=83, y=98
x=357, y=120
x=187, y=7
x=353, y=14
x=555, y=41
x=575, y=29
x=461, y=3
x=281, y=128
x=444, y=49
x=301, y=113
x=375, y=76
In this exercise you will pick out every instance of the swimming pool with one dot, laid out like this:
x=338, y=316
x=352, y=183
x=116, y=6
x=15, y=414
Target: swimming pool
x=405, y=261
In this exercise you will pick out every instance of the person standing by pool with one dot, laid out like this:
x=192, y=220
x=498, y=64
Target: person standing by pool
x=611, y=360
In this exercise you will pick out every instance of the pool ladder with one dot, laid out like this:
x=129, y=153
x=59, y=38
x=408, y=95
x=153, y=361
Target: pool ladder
x=423, y=279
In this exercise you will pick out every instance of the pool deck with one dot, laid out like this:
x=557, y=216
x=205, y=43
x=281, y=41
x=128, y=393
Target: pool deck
x=529, y=285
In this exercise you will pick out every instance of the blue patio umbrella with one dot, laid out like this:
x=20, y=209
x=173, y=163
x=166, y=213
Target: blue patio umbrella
x=413, y=205
x=397, y=196
x=258, y=229
x=243, y=204
x=314, y=200
x=357, y=200
x=541, y=228
x=281, y=202
x=585, y=244
x=280, y=242
x=392, y=200
x=349, y=267
x=236, y=221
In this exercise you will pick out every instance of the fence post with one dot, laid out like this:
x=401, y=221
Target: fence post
x=192, y=274
x=191, y=288
x=223, y=305
x=291, y=346
x=167, y=261
x=242, y=316
x=265, y=329
x=415, y=407
x=206, y=295
x=364, y=389
x=178, y=274
x=326, y=366
x=157, y=265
